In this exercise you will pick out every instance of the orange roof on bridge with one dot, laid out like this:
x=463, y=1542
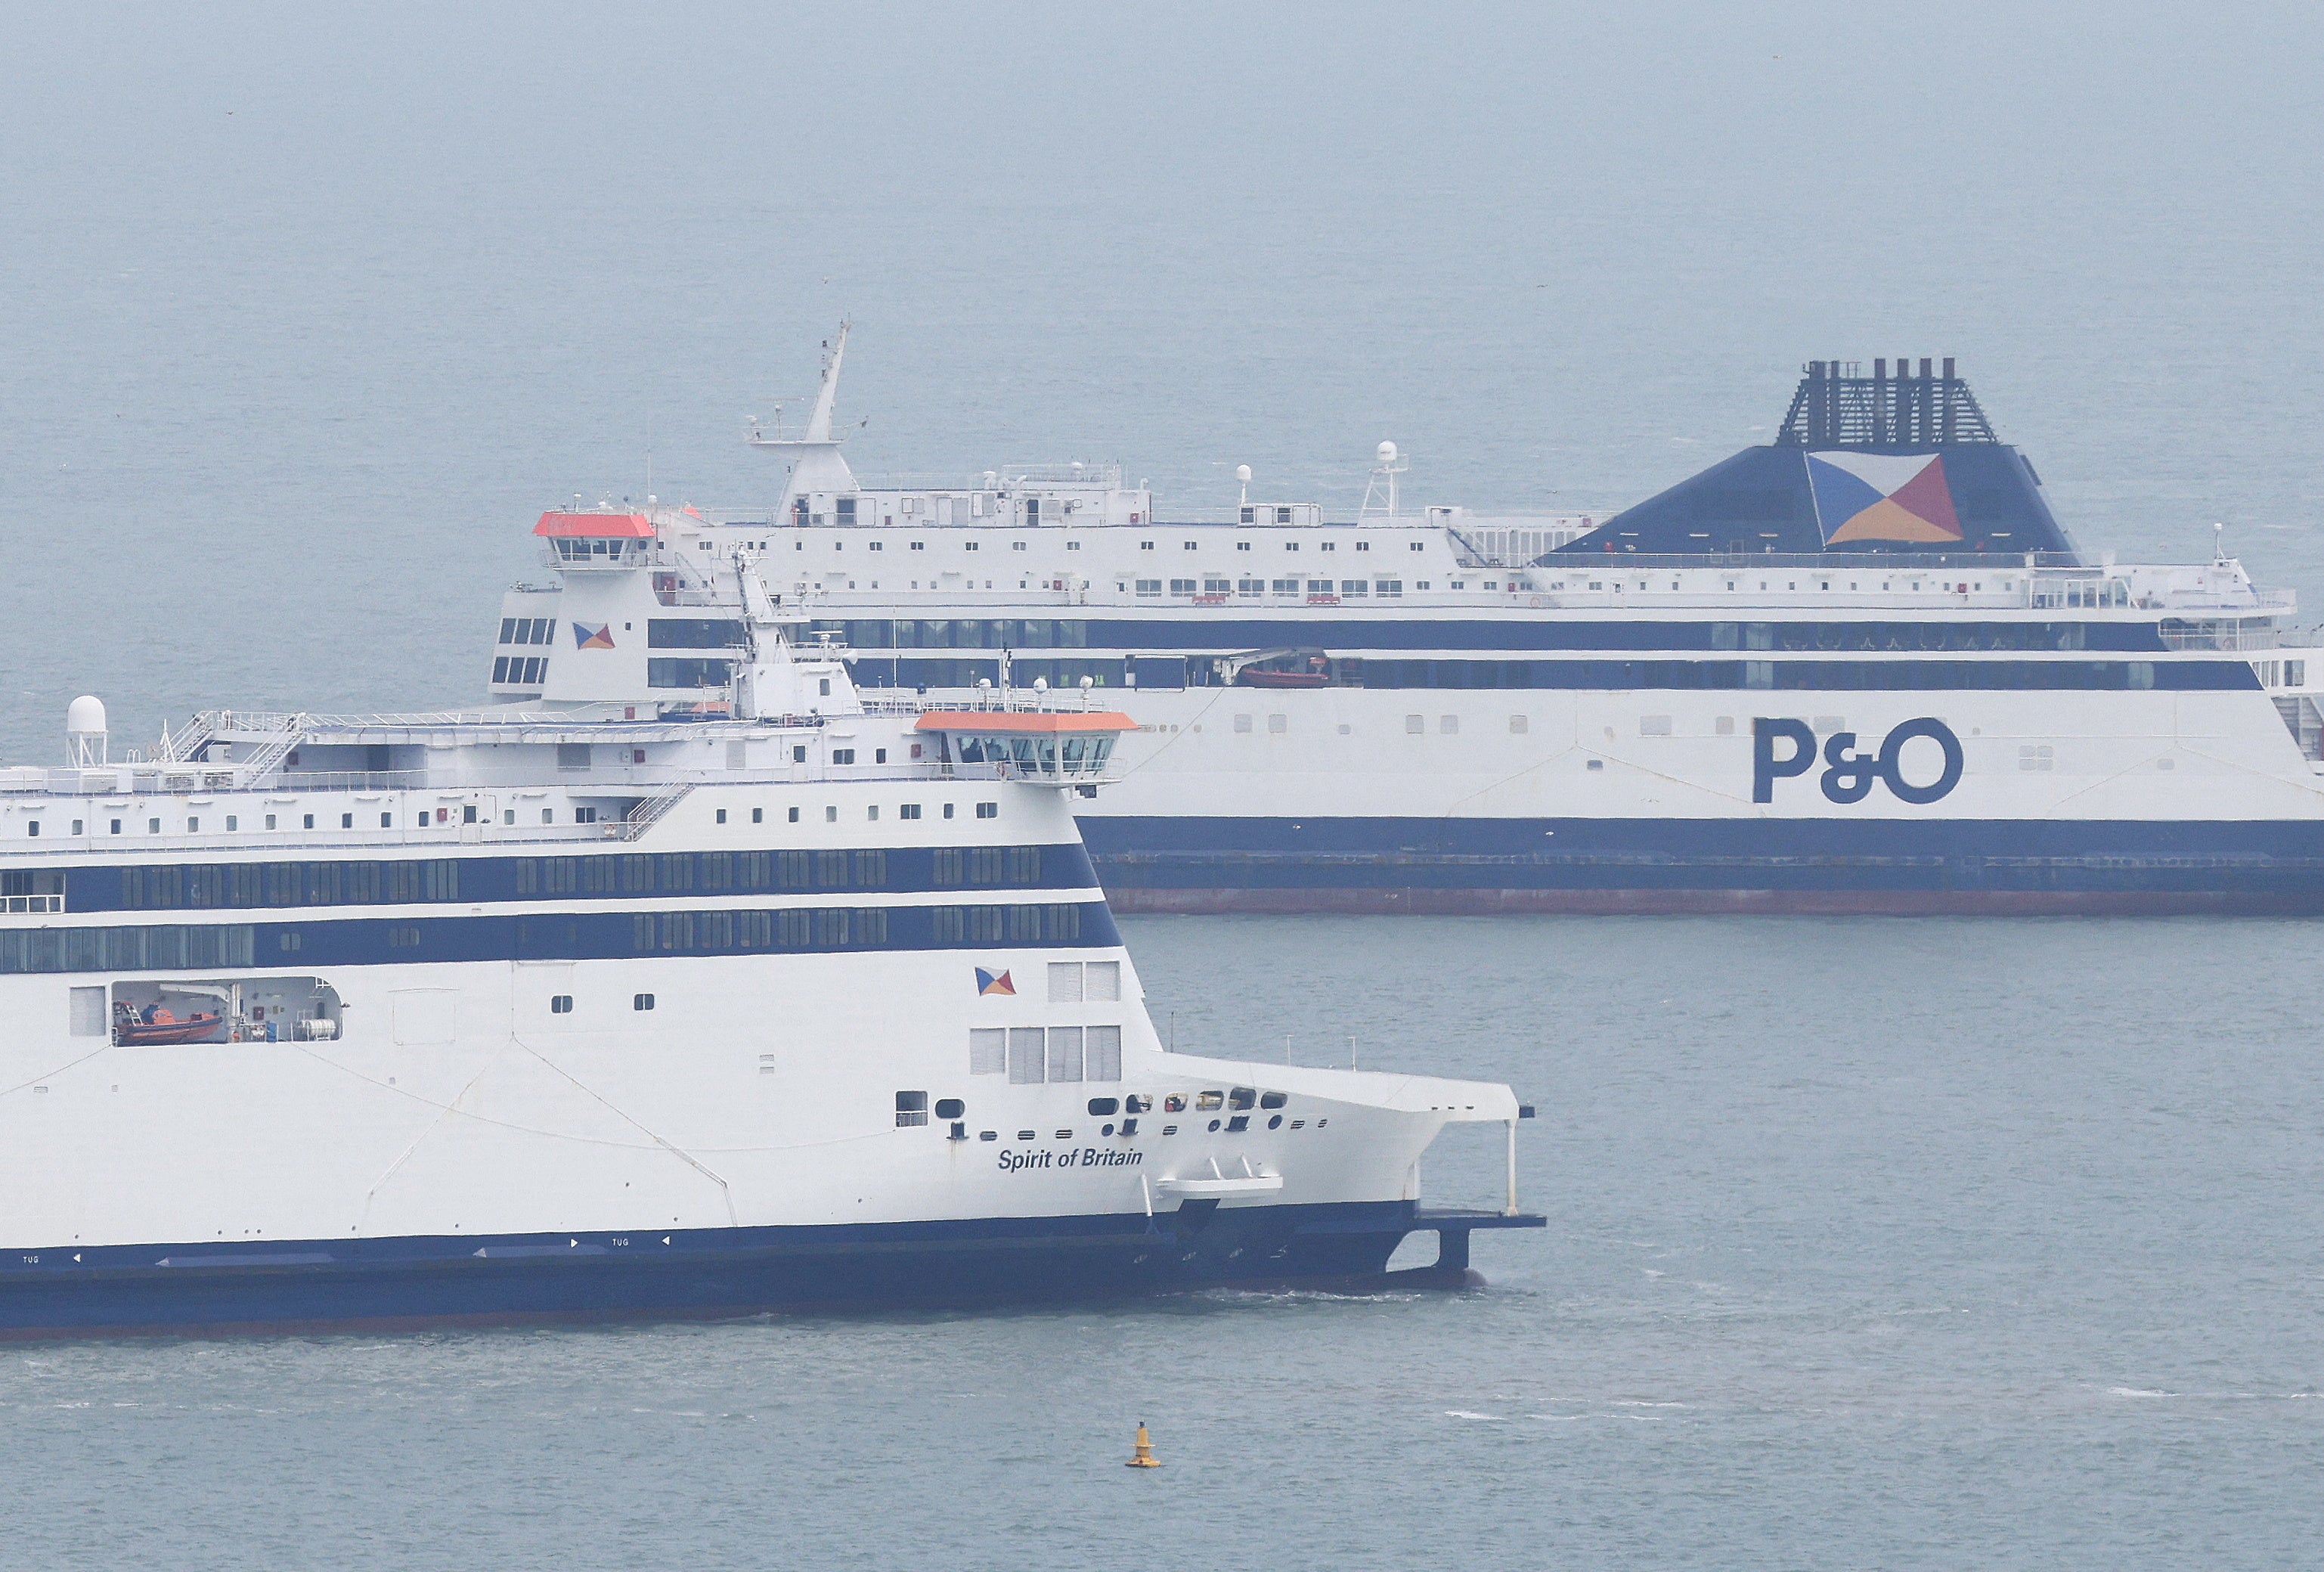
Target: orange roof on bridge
x=596, y=526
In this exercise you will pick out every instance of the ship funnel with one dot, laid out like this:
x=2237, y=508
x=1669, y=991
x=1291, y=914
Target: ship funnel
x=85, y=733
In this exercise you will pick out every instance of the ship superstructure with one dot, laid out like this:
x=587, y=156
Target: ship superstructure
x=1859, y=668
x=624, y=1009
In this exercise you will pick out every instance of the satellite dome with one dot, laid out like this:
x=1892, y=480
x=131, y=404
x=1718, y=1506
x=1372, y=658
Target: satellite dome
x=85, y=715
x=1387, y=453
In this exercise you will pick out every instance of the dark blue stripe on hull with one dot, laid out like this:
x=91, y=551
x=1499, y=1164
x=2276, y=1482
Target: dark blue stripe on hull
x=1555, y=865
x=204, y=1290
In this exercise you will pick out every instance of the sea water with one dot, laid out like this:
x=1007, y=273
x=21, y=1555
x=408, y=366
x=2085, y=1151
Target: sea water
x=1920, y=1242
x=1853, y=1258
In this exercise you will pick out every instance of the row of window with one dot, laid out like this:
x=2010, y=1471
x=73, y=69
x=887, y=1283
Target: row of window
x=250, y=884
x=1902, y=637
x=1079, y=982
x=524, y=671
x=245, y=886
x=592, y=936
x=562, y=1004
x=1313, y=588
x=695, y=634
x=688, y=672
x=1879, y=676
x=1169, y=672
x=1034, y=1055
x=1176, y=671
x=961, y=633
x=712, y=873
x=597, y=548
x=1259, y=633
x=528, y=630
x=999, y=924
x=1287, y=545
x=420, y=820
x=164, y=946
x=712, y=932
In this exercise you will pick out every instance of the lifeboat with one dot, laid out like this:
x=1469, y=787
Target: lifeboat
x=166, y=1027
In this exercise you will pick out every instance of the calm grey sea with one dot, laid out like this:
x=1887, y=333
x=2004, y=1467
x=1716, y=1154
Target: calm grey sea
x=1894, y=1244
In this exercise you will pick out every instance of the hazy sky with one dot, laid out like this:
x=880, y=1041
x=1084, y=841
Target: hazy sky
x=304, y=312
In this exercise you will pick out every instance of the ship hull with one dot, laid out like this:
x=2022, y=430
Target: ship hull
x=390, y=1284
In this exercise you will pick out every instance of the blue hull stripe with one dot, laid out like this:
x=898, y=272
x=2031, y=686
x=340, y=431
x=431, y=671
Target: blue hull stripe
x=2276, y=861
x=412, y=1282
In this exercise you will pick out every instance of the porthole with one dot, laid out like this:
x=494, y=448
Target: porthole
x=1215, y=1126
x=1275, y=1123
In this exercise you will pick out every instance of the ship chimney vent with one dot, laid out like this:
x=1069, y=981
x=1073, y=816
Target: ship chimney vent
x=1836, y=406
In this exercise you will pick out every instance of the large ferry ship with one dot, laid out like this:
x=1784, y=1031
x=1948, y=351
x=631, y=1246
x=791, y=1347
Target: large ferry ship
x=663, y=1008
x=1861, y=668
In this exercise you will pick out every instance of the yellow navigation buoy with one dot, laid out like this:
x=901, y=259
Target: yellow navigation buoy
x=1145, y=1457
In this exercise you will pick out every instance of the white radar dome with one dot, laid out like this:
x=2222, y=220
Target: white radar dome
x=84, y=714
x=1387, y=453
x=1242, y=473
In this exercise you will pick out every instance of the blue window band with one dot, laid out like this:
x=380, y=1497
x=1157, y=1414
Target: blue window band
x=557, y=936
x=256, y=885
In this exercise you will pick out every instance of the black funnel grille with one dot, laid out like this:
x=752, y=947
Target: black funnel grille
x=1838, y=406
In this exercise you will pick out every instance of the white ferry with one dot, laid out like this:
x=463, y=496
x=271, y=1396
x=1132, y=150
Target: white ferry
x=1860, y=668
x=663, y=1008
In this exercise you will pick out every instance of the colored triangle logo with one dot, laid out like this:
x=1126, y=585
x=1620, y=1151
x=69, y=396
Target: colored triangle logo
x=1882, y=497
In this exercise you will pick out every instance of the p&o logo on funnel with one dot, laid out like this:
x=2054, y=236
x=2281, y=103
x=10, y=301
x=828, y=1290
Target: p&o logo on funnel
x=1882, y=497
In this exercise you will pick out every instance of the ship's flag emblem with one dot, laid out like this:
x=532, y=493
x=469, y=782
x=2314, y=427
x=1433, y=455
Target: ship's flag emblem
x=993, y=982
x=585, y=637
x=1882, y=496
